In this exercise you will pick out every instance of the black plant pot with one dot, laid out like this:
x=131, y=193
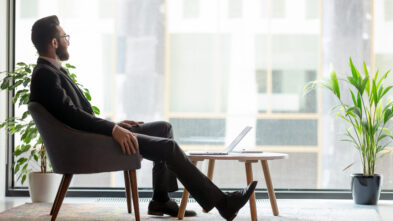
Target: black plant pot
x=366, y=189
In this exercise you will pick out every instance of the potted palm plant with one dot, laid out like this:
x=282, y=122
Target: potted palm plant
x=30, y=155
x=367, y=112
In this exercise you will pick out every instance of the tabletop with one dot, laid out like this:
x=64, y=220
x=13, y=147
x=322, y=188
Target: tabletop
x=240, y=156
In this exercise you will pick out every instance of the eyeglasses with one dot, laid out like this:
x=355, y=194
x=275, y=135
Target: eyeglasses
x=67, y=37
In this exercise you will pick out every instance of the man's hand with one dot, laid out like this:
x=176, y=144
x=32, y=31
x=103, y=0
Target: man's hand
x=126, y=139
x=129, y=123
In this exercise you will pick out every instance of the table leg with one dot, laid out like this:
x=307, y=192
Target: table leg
x=269, y=185
x=253, y=208
x=210, y=169
x=184, y=199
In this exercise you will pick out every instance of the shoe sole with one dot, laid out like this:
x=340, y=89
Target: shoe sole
x=155, y=213
x=162, y=214
x=232, y=218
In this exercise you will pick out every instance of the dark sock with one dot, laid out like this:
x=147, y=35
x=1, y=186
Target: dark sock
x=160, y=196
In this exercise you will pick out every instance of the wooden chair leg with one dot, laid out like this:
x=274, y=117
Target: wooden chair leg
x=183, y=204
x=57, y=196
x=253, y=207
x=128, y=190
x=184, y=199
x=134, y=190
x=63, y=190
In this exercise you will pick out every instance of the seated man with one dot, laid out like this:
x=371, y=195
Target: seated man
x=55, y=90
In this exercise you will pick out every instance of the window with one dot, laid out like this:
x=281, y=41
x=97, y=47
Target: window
x=239, y=72
x=28, y=9
x=278, y=8
x=190, y=9
x=235, y=8
x=388, y=7
x=210, y=70
x=312, y=9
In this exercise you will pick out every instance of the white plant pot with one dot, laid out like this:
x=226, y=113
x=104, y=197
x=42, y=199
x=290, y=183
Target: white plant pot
x=43, y=186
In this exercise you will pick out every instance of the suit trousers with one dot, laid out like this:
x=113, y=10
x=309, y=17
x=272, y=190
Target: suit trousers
x=164, y=180
x=156, y=144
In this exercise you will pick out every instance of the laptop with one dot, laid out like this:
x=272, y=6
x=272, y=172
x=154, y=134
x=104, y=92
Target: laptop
x=228, y=149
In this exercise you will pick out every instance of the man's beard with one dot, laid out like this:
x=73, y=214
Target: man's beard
x=62, y=53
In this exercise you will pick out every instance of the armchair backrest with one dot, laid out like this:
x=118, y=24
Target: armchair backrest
x=73, y=151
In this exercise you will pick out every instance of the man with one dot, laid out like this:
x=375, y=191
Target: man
x=54, y=89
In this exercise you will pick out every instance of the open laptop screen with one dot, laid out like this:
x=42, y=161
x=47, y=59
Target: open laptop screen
x=237, y=139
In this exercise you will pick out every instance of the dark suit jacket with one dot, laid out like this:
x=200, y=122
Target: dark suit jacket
x=59, y=94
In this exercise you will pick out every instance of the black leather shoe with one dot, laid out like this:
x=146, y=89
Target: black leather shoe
x=170, y=208
x=235, y=201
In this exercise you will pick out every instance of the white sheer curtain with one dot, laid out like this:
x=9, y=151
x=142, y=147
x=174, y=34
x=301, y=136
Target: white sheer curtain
x=141, y=26
x=140, y=76
x=346, y=32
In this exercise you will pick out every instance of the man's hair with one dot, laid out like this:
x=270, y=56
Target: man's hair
x=43, y=31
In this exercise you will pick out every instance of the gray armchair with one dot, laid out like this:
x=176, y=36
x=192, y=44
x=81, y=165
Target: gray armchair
x=78, y=152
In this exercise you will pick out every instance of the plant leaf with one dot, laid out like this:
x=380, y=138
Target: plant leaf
x=355, y=110
x=17, y=166
x=387, y=116
x=364, y=84
x=334, y=84
x=87, y=95
x=348, y=166
x=383, y=136
x=383, y=77
x=21, y=160
x=386, y=90
x=374, y=92
x=70, y=66
x=355, y=73
x=96, y=110
x=23, y=179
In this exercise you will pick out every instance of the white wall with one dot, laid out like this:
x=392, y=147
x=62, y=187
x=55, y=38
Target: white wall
x=3, y=25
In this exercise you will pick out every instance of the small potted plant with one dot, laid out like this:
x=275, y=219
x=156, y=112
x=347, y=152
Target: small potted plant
x=367, y=113
x=30, y=155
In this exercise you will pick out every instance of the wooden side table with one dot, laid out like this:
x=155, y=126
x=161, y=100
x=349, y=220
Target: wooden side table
x=247, y=159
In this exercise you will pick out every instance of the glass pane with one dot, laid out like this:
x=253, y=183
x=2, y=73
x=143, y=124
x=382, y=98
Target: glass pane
x=222, y=76
x=29, y=8
x=288, y=96
x=210, y=131
x=197, y=76
x=295, y=62
x=286, y=132
x=235, y=8
x=107, y=9
x=312, y=9
x=191, y=8
x=210, y=75
x=383, y=52
x=261, y=63
x=388, y=8
x=263, y=5
x=278, y=8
